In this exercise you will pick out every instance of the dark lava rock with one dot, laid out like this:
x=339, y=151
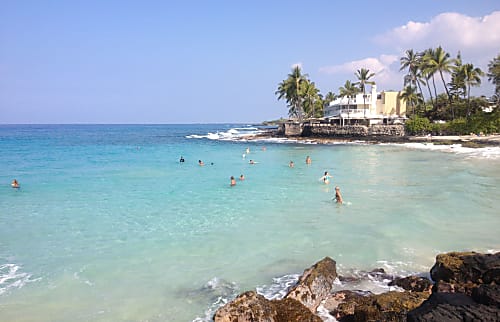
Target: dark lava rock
x=467, y=267
x=390, y=306
x=453, y=307
x=413, y=283
x=487, y=295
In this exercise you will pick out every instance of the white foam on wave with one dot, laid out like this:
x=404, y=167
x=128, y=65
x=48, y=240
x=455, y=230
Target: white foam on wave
x=233, y=134
x=485, y=153
x=12, y=277
x=221, y=292
x=279, y=287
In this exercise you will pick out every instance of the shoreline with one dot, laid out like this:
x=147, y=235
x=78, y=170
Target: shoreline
x=468, y=141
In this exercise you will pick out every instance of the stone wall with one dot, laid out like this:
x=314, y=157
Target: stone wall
x=290, y=129
x=326, y=130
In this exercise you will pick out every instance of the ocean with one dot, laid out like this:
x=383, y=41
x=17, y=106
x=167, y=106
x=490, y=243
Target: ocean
x=108, y=225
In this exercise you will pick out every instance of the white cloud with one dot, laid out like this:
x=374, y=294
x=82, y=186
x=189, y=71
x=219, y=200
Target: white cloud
x=478, y=38
x=385, y=75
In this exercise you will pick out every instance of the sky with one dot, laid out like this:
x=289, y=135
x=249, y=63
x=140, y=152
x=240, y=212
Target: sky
x=214, y=61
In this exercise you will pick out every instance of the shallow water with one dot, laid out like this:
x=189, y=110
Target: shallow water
x=108, y=225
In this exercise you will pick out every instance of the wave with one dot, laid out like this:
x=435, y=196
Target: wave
x=484, y=153
x=233, y=134
x=12, y=277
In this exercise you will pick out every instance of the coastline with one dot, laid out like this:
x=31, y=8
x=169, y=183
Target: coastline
x=468, y=141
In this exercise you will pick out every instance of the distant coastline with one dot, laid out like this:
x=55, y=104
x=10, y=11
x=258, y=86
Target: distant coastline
x=469, y=141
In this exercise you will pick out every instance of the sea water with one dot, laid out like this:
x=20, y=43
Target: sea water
x=108, y=225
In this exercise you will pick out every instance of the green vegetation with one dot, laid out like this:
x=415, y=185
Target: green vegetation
x=461, y=112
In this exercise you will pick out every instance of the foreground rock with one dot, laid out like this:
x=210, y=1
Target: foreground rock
x=453, y=307
x=252, y=307
x=466, y=289
x=315, y=284
x=390, y=306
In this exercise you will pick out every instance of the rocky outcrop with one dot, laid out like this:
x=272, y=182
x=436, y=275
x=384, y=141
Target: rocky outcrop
x=453, y=307
x=315, y=284
x=467, y=267
x=466, y=289
x=252, y=307
x=390, y=306
x=412, y=284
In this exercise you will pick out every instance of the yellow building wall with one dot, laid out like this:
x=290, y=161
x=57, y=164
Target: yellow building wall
x=391, y=104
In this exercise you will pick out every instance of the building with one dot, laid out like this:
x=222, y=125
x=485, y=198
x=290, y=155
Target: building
x=385, y=107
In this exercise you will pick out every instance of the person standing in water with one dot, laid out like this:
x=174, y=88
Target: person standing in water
x=291, y=164
x=338, y=196
x=233, y=181
x=15, y=184
x=326, y=177
x=242, y=177
x=308, y=160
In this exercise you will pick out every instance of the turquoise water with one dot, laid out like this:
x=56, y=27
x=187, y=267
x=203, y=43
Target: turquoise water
x=109, y=226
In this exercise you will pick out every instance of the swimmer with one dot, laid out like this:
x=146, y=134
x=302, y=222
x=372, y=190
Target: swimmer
x=251, y=162
x=248, y=151
x=242, y=177
x=233, y=182
x=15, y=184
x=308, y=160
x=326, y=177
x=201, y=163
x=338, y=196
x=181, y=159
x=291, y=164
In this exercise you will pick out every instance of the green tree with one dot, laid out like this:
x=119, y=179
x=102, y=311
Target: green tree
x=329, y=97
x=494, y=75
x=411, y=97
x=290, y=90
x=363, y=75
x=349, y=91
x=472, y=77
x=311, y=97
x=440, y=61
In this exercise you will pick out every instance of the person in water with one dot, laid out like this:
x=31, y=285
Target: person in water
x=326, y=177
x=15, y=184
x=338, y=196
x=252, y=162
x=291, y=164
x=201, y=163
x=181, y=159
x=242, y=177
x=233, y=181
x=308, y=160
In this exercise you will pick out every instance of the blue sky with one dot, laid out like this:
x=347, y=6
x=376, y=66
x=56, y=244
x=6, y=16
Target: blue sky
x=214, y=61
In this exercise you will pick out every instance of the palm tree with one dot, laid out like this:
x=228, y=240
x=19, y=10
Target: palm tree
x=440, y=62
x=290, y=90
x=311, y=95
x=411, y=97
x=363, y=75
x=428, y=71
x=349, y=91
x=330, y=97
x=472, y=77
x=412, y=61
x=494, y=74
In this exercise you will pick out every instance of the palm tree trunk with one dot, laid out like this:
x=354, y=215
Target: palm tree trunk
x=468, y=100
x=449, y=97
